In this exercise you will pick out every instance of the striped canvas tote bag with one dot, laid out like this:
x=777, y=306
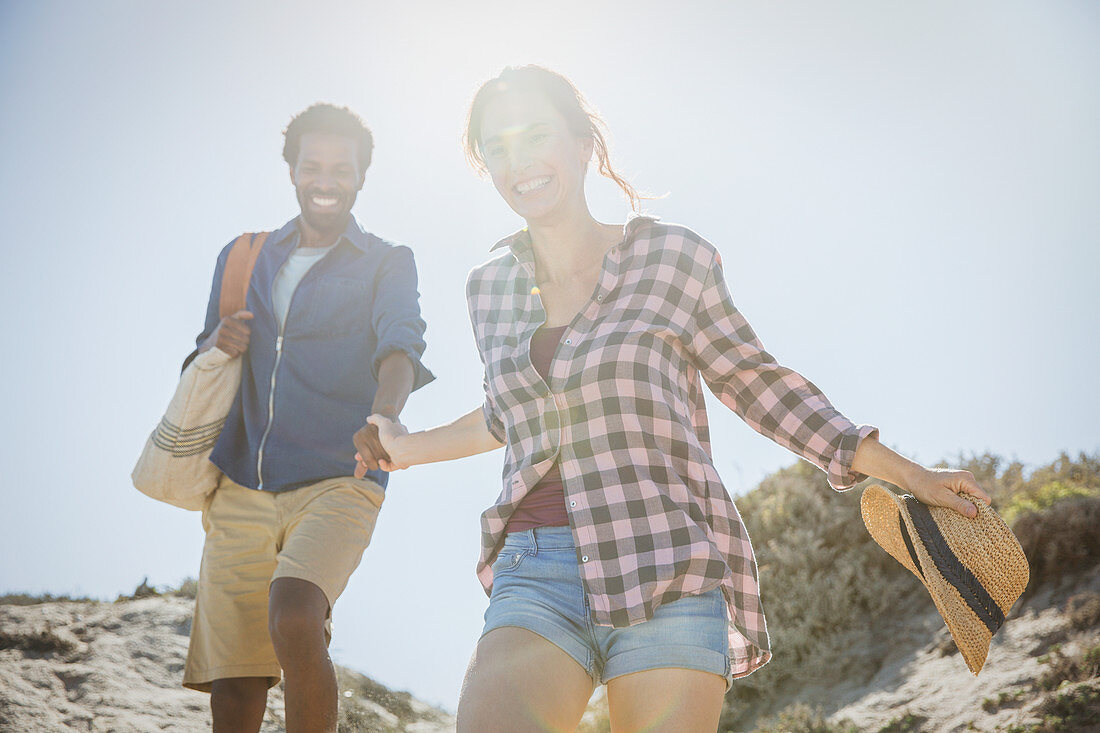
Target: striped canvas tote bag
x=175, y=464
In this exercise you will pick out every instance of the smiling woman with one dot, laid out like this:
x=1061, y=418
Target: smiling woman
x=614, y=554
x=560, y=108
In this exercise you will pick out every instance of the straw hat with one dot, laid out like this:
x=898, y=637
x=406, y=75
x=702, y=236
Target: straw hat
x=975, y=568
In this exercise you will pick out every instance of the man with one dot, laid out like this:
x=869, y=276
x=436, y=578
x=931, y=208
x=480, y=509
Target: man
x=331, y=334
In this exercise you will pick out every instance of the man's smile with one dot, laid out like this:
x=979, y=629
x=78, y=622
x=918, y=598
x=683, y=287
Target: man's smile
x=324, y=202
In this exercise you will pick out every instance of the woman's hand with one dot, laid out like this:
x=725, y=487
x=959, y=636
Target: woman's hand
x=934, y=486
x=389, y=433
x=382, y=435
x=947, y=488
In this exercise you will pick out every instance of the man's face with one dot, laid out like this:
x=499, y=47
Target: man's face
x=326, y=179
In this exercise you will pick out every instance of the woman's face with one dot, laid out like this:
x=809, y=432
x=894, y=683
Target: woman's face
x=535, y=161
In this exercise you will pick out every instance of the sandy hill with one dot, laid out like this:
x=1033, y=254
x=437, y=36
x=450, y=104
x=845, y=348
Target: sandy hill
x=1035, y=678
x=94, y=666
x=98, y=666
x=858, y=644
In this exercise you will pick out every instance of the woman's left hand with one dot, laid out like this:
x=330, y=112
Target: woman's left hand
x=934, y=486
x=947, y=488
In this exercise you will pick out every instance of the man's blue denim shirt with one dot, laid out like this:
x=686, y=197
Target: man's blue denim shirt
x=354, y=308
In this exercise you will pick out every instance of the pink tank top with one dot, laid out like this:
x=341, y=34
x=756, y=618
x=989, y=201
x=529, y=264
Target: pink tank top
x=544, y=505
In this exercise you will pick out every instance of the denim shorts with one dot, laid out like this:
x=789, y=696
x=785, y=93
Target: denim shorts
x=537, y=586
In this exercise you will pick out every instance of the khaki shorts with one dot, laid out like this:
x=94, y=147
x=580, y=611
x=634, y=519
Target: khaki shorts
x=316, y=533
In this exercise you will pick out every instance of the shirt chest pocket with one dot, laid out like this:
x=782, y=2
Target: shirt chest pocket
x=511, y=379
x=330, y=306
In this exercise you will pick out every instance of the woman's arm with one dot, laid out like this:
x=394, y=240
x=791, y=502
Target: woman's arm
x=466, y=436
x=784, y=406
x=935, y=486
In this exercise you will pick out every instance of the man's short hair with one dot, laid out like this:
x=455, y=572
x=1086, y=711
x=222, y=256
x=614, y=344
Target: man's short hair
x=330, y=120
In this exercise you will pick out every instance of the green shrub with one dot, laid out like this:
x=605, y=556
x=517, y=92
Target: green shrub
x=822, y=577
x=1061, y=539
x=992, y=705
x=26, y=599
x=906, y=723
x=144, y=590
x=1041, y=499
x=1073, y=708
x=1062, y=668
x=189, y=588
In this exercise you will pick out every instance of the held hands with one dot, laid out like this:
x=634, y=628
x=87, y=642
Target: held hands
x=375, y=448
x=390, y=432
x=231, y=335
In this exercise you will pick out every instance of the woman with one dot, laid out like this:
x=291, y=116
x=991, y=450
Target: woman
x=614, y=554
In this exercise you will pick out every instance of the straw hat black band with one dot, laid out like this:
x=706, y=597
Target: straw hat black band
x=973, y=567
x=948, y=565
x=909, y=545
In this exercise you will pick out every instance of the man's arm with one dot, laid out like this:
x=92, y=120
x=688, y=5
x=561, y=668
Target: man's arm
x=395, y=383
x=395, y=317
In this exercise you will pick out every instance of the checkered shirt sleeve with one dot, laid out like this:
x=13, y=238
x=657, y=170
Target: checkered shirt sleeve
x=775, y=401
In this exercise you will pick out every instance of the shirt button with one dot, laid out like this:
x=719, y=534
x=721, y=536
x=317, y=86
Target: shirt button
x=584, y=558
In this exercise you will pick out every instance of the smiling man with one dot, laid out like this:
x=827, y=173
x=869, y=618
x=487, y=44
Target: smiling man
x=331, y=334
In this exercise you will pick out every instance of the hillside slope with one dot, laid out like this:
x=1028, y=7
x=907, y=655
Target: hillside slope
x=96, y=666
x=858, y=644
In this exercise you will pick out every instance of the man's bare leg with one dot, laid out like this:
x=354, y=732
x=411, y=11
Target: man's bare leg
x=238, y=704
x=297, y=610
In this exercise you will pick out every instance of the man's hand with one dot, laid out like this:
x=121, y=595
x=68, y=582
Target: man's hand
x=370, y=454
x=231, y=335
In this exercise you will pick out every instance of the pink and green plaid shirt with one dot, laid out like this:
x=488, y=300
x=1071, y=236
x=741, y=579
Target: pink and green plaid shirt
x=622, y=413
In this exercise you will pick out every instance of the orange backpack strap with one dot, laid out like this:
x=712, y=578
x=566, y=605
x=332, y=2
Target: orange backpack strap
x=238, y=272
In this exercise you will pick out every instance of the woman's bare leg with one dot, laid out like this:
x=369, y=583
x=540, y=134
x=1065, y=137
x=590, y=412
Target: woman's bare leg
x=518, y=681
x=666, y=700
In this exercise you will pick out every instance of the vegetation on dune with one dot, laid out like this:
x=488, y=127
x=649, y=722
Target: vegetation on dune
x=43, y=641
x=824, y=579
x=186, y=589
x=29, y=599
x=365, y=705
x=803, y=718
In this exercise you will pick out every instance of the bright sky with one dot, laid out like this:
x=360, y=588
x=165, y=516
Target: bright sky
x=906, y=196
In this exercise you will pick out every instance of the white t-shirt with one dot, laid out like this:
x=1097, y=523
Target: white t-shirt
x=290, y=274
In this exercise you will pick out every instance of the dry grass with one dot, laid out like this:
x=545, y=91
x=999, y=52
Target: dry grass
x=1062, y=668
x=1061, y=540
x=43, y=641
